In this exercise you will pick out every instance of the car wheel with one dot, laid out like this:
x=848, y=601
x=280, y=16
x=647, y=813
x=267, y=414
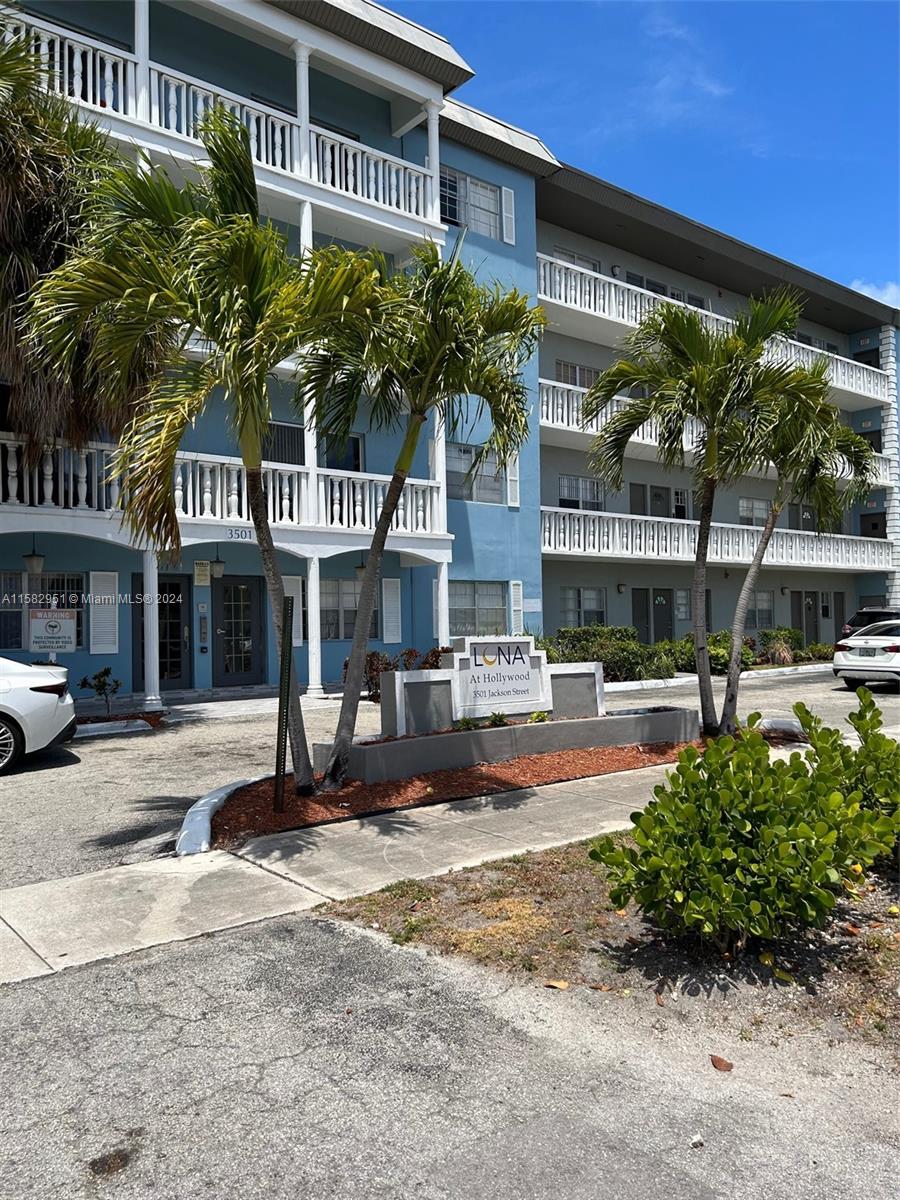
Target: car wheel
x=11, y=744
x=852, y=684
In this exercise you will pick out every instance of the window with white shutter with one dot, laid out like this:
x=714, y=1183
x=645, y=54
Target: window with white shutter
x=516, y=608
x=293, y=586
x=509, y=215
x=104, y=612
x=512, y=482
x=390, y=611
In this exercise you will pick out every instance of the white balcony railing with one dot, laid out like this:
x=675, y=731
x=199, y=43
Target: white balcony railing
x=561, y=407
x=587, y=291
x=213, y=488
x=84, y=70
x=103, y=77
x=622, y=536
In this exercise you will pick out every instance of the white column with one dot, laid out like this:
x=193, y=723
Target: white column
x=443, y=603
x=890, y=446
x=301, y=152
x=314, y=623
x=142, y=54
x=432, y=113
x=439, y=467
x=152, y=699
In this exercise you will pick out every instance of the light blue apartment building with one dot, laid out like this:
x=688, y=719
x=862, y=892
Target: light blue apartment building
x=358, y=138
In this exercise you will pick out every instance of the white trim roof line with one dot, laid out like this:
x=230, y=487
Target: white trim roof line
x=522, y=147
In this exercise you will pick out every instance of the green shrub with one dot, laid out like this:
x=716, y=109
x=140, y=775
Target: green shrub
x=780, y=654
x=820, y=651
x=872, y=769
x=781, y=633
x=465, y=723
x=719, y=645
x=538, y=718
x=497, y=720
x=735, y=845
x=103, y=686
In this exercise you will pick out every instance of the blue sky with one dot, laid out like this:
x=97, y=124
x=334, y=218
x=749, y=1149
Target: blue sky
x=773, y=120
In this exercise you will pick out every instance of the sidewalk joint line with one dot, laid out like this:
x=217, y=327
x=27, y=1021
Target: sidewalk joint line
x=24, y=940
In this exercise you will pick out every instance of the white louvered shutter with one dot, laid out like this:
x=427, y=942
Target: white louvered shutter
x=104, y=612
x=516, y=608
x=390, y=609
x=509, y=215
x=293, y=586
x=512, y=482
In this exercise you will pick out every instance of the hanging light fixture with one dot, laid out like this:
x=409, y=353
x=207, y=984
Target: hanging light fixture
x=34, y=562
x=217, y=566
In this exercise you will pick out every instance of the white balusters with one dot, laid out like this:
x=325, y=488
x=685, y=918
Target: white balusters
x=47, y=478
x=80, y=479
x=233, y=499
x=12, y=473
x=206, y=495
x=179, y=487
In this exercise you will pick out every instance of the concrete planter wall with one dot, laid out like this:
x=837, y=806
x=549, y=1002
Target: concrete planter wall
x=373, y=762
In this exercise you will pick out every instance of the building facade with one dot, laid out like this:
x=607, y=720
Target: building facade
x=357, y=140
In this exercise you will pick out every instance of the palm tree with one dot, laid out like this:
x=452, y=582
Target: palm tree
x=441, y=339
x=704, y=387
x=49, y=163
x=812, y=452
x=188, y=279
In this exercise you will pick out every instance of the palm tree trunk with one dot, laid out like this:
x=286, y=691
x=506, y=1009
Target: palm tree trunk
x=336, y=771
x=728, y=722
x=304, y=781
x=701, y=649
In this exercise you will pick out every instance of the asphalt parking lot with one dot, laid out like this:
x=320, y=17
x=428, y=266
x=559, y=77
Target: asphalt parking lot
x=98, y=803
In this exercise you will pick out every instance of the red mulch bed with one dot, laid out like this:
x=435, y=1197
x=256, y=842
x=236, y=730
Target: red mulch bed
x=152, y=718
x=248, y=812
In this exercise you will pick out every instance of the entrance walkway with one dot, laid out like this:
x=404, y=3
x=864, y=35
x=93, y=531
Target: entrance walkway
x=61, y=923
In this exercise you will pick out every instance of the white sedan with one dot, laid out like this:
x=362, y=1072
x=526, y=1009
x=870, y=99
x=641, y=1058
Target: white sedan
x=871, y=655
x=36, y=710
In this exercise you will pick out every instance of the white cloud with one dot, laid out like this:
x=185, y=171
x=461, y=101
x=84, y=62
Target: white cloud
x=887, y=293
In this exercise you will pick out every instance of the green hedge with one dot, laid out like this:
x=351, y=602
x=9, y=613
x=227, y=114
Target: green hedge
x=617, y=647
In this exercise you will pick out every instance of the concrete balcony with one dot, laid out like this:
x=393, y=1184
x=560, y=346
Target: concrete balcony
x=600, y=309
x=621, y=537
x=75, y=491
x=348, y=178
x=562, y=424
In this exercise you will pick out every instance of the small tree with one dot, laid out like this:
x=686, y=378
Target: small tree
x=812, y=452
x=701, y=387
x=188, y=279
x=440, y=338
x=102, y=684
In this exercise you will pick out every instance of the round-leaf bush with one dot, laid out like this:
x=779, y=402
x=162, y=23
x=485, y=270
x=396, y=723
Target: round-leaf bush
x=736, y=845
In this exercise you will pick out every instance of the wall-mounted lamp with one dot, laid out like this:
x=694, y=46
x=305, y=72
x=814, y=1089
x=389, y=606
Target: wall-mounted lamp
x=620, y=588
x=784, y=591
x=217, y=566
x=616, y=272
x=361, y=569
x=727, y=574
x=34, y=562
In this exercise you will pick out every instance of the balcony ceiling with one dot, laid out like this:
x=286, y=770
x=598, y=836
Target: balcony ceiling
x=384, y=33
x=575, y=200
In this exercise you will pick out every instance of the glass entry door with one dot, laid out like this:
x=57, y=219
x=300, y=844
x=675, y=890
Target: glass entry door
x=175, y=640
x=239, y=653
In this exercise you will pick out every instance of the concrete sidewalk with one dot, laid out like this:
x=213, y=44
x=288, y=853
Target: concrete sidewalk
x=60, y=923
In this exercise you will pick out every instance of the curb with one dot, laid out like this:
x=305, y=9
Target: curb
x=195, y=833
x=639, y=685
x=111, y=729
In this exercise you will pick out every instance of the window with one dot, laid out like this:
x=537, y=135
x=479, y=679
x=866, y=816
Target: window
x=577, y=260
x=284, y=443
x=634, y=279
x=339, y=600
x=752, y=511
x=653, y=285
x=761, y=613
x=67, y=589
x=472, y=202
x=682, y=604
x=487, y=484
x=576, y=375
x=343, y=456
x=582, y=606
x=873, y=437
x=477, y=609
x=696, y=301
x=581, y=491
x=11, y=610
x=681, y=510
